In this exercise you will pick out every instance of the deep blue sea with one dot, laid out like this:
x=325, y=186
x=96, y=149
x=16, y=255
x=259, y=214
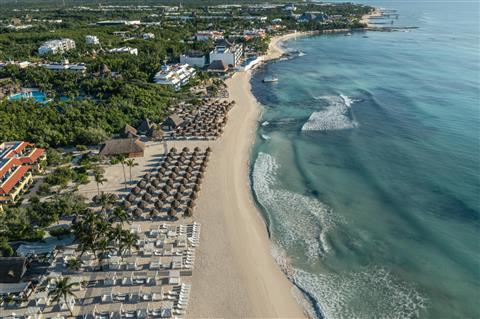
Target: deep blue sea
x=367, y=162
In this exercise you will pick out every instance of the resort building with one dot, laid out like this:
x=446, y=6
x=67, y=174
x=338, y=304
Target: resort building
x=127, y=50
x=119, y=22
x=208, y=35
x=17, y=161
x=254, y=33
x=148, y=36
x=131, y=147
x=175, y=75
x=230, y=54
x=66, y=66
x=193, y=58
x=92, y=39
x=56, y=46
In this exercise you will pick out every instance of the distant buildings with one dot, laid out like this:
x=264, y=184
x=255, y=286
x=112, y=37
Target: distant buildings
x=17, y=160
x=230, y=54
x=193, y=58
x=91, y=40
x=148, y=36
x=208, y=35
x=128, y=50
x=254, y=33
x=65, y=66
x=175, y=75
x=56, y=46
x=119, y=22
x=312, y=17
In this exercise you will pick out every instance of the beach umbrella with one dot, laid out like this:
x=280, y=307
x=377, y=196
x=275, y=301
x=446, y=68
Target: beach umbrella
x=151, y=189
x=196, y=188
x=182, y=189
x=147, y=176
x=200, y=175
x=177, y=196
x=188, y=212
x=130, y=197
x=191, y=204
x=175, y=204
x=202, y=169
x=162, y=170
x=167, y=189
x=147, y=197
x=154, y=212
x=194, y=195
x=176, y=170
x=170, y=182
x=172, y=212
x=142, y=204
x=159, y=204
x=208, y=150
x=137, y=212
x=96, y=199
x=186, y=149
x=142, y=184
x=136, y=190
x=196, y=149
x=173, y=150
x=156, y=183
x=162, y=196
x=127, y=204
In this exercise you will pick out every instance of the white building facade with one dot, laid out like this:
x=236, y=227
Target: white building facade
x=229, y=55
x=174, y=75
x=56, y=46
x=193, y=59
x=127, y=50
x=92, y=39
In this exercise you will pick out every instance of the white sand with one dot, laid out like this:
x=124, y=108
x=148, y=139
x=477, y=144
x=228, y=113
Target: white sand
x=235, y=274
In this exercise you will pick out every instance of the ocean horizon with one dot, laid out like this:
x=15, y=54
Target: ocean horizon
x=366, y=163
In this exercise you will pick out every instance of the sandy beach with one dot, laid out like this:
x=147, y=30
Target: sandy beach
x=235, y=274
x=365, y=18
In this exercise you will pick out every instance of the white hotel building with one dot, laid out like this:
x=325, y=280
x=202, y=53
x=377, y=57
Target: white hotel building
x=229, y=55
x=174, y=75
x=56, y=46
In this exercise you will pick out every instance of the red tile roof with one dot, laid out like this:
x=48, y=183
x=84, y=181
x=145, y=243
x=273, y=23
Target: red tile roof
x=33, y=156
x=8, y=164
x=8, y=185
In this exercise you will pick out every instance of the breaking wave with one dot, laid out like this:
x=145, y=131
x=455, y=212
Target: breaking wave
x=336, y=116
x=371, y=293
x=301, y=225
x=300, y=219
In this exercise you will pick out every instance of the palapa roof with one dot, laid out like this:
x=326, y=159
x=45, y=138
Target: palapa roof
x=218, y=66
x=174, y=118
x=145, y=126
x=12, y=269
x=122, y=146
x=129, y=132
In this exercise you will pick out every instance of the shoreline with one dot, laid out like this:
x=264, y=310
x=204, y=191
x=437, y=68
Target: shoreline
x=236, y=275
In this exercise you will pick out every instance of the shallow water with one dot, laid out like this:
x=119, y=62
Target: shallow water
x=367, y=165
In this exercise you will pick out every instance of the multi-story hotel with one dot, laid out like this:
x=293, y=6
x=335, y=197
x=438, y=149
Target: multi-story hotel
x=17, y=161
x=174, y=75
x=56, y=46
x=230, y=54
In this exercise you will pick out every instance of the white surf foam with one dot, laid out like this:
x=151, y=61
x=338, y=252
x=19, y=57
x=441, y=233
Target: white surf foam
x=371, y=293
x=265, y=137
x=301, y=53
x=265, y=123
x=334, y=117
x=301, y=220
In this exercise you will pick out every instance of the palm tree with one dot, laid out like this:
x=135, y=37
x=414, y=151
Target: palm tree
x=74, y=264
x=62, y=291
x=131, y=164
x=127, y=242
x=122, y=160
x=106, y=200
x=119, y=214
x=99, y=178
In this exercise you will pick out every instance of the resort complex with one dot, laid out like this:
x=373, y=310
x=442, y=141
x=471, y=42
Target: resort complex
x=128, y=194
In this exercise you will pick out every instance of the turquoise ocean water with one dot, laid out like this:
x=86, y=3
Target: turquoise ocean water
x=366, y=165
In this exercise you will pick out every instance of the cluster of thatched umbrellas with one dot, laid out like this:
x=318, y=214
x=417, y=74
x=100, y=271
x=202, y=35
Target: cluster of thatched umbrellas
x=173, y=188
x=207, y=121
